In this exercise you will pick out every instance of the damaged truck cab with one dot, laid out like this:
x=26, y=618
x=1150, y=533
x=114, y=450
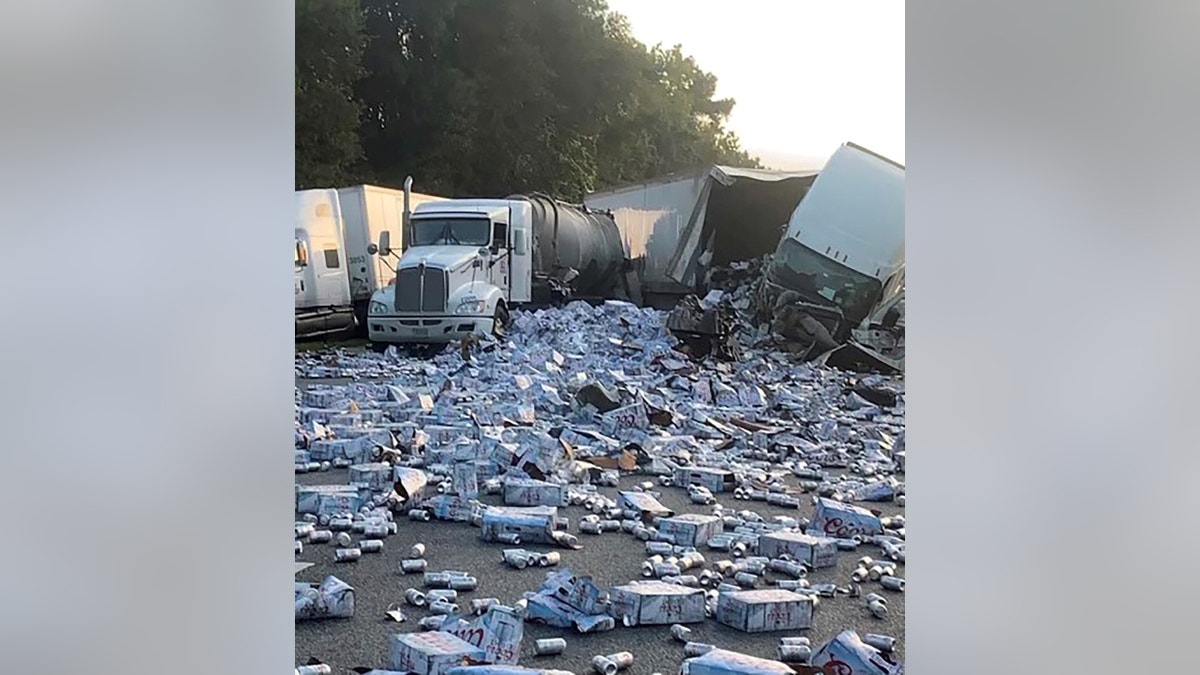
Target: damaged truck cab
x=841, y=257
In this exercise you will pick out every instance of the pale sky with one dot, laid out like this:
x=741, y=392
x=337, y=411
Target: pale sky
x=807, y=75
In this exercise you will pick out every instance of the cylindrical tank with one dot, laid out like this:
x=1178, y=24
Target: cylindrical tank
x=564, y=236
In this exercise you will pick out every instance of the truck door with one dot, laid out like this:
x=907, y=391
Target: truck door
x=520, y=246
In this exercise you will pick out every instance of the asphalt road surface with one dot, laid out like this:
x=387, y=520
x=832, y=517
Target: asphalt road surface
x=611, y=559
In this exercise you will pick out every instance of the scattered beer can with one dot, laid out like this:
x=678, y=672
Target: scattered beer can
x=412, y=566
x=697, y=649
x=464, y=583
x=884, y=643
x=603, y=665
x=417, y=551
x=314, y=669
x=892, y=583
x=344, y=540
x=681, y=632
x=447, y=594
x=549, y=646
x=419, y=514
x=371, y=546
x=320, y=536
x=794, y=653
x=347, y=554
x=622, y=659
x=415, y=597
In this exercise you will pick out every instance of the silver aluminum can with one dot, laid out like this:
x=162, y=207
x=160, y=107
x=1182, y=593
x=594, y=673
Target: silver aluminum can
x=549, y=646
x=415, y=598
x=892, y=583
x=343, y=539
x=794, y=653
x=413, y=565
x=347, y=554
x=314, y=669
x=443, y=594
x=884, y=643
x=510, y=538
x=697, y=649
x=437, y=580
x=603, y=665
x=745, y=579
x=417, y=551
x=320, y=536
x=622, y=659
x=371, y=545
x=877, y=609
x=419, y=514
x=464, y=583
x=549, y=559
x=795, y=641
x=443, y=607
x=681, y=632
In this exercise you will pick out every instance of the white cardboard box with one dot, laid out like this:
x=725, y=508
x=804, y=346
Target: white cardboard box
x=692, y=529
x=808, y=549
x=430, y=653
x=761, y=611
x=656, y=603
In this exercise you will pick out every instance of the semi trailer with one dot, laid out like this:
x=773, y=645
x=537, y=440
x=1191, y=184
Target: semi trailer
x=334, y=275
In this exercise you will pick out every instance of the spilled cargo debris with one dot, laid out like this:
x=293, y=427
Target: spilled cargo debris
x=739, y=487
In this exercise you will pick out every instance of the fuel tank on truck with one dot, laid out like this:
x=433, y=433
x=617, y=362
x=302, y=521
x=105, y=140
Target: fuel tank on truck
x=566, y=237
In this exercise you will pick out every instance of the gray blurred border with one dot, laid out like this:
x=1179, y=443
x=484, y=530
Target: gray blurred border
x=146, y=155
x=1051, y=223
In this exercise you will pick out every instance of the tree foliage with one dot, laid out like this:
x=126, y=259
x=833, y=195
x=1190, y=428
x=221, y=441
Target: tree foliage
x=330, y=41
x=494, y=97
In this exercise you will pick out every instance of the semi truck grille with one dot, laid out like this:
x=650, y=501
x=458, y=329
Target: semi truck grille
x=412, y=296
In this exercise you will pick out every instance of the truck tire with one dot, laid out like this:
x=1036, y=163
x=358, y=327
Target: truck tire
x=500, y=321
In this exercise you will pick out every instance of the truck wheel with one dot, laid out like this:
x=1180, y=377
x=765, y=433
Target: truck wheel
x=500, y=321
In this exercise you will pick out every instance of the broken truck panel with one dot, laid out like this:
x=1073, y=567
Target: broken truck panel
x=671, y=226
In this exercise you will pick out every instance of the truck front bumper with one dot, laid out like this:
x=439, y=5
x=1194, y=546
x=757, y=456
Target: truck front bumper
x=426, y=329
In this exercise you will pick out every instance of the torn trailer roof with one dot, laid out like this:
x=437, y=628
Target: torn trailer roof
x=668, y=224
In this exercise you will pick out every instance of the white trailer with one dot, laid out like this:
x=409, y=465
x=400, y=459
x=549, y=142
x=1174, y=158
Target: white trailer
x=335, y=275
x=676, y=227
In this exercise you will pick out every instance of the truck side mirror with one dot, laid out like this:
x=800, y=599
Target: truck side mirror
x=301, y=254
x=385, y=243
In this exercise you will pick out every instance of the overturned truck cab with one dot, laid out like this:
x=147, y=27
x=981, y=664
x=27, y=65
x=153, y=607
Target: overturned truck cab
x=834, y=288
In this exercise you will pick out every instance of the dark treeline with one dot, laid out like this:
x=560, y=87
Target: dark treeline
x=493, y=97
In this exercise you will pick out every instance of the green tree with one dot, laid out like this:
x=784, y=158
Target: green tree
x=329, y=46
x=493, y=97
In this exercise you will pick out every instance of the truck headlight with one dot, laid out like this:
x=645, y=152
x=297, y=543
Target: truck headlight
x=470, y=307
x=377, y=308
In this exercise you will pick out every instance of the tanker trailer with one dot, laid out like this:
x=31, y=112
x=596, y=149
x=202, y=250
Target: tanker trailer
x=470, y=262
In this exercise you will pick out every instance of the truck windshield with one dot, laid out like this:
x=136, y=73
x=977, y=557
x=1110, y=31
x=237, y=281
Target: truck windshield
x=461, y=231
x=821, y=279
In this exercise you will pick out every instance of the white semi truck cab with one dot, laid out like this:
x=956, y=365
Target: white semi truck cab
x=469, y=262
